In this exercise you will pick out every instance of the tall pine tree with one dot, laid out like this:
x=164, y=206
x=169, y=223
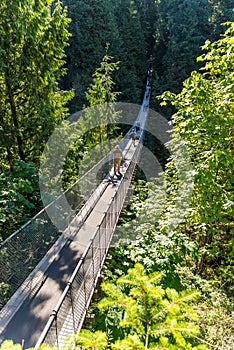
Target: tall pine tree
x=33, y=35
x=133, y=61
x=181, y=30
x=93, y=26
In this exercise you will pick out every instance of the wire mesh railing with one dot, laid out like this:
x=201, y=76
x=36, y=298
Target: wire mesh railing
x=22, y=251
x=68, y=316
x=26, y=248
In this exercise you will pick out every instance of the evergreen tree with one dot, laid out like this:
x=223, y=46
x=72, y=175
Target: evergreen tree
x=148, y=10
x=182, y=26
x=181, y=30
x=221, y=11
x=33, y=35
x=99, y=120
x=93, y=26
x=133, y=69
x=146, y=315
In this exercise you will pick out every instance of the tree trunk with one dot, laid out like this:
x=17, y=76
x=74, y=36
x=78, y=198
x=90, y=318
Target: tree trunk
x=9, y=156
x=15, y=119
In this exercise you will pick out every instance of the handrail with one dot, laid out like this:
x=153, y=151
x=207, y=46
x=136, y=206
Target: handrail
x=62, y=194
x=112, y=216
x=65, y=295
x=51, y=203
x=54, y=315
x=14, y=272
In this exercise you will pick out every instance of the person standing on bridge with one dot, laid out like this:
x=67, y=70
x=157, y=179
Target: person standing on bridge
x=138, y=127
x=117, y=155
x=133, y=134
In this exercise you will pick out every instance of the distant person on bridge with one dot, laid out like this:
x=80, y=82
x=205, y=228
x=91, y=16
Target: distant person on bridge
x=117, y=155
x=146, y=105
x=138, y=127
x=133, y=134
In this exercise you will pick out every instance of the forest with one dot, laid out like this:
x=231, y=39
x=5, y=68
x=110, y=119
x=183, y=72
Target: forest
x=172, y=286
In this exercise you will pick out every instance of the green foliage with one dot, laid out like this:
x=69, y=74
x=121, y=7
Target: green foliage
x=172, y=31
x=4, y=290
x=148, y=314
x=129, y=343
x=132, y=73
x=148, y=11
x=93, y=25
x=101, y=90
x=204, y=113
x=100, y=93
x=181, y=28
x=205, y=122
x=98, y=123
x=95, y=341
x=20, y=197
x=180, y=241
x=216, y=318
x=195, y=221
x=153, y=232
x=33, y=36
x=220, y=12
x=9, y=345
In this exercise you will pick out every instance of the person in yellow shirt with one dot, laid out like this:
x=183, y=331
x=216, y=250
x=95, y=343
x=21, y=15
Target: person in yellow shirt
x=117, y=155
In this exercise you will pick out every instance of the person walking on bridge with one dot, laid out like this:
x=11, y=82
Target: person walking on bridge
x=133, y=134
x=117, y=155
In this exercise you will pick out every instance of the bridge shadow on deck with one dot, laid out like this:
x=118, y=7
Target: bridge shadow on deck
x=32, y=316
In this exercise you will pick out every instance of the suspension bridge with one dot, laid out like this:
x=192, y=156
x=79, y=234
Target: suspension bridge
x=50, y=275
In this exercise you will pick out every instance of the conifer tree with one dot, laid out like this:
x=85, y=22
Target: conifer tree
x=93, y=25
x=146, y=315
x=181, y=30
x=99, y=120
x=100, y=93
x=133, y=69
x=148, y=10
x=33, y=35
x=221, y=12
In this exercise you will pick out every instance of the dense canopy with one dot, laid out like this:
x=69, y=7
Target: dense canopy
x=170, y=288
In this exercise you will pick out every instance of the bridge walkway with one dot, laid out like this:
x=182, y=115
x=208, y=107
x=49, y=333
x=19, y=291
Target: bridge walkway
x=28, y=322
x=52, y=272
